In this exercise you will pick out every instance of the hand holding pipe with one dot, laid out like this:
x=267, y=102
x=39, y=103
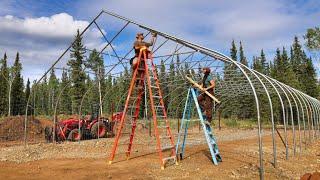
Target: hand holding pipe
x=202, y=89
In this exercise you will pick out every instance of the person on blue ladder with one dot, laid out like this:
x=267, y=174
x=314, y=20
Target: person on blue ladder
x=205, y=102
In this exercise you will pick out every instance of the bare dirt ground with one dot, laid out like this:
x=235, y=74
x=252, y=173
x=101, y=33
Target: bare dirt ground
x=89, y=159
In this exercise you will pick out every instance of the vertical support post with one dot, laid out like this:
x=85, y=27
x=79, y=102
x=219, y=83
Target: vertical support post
x=219, y=118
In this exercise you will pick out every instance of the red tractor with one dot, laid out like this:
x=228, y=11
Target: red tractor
x=89, y=128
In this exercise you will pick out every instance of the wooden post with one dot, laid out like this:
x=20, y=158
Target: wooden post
x=202, y=89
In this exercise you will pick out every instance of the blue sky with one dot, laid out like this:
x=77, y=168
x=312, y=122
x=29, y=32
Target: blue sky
x=41, y=29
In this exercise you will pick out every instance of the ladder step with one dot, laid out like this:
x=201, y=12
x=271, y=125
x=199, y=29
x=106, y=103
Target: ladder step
x=156, y=87
x=157, y=97
x=196, y=120
x=159, y=106
x=161, y=116
x=163, y=126
x=207, y=123
x=141, y=69
x=169, y=158
x=167, y=148
x=133, y=107
x=164, y=137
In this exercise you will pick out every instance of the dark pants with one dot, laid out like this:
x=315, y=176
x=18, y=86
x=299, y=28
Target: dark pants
x=206, y=104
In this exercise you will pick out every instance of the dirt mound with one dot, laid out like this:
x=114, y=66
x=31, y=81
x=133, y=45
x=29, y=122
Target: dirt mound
x=12, y=128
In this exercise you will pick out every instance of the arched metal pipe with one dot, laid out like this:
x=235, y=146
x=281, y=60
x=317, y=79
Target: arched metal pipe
x=290, y=106
x=282, y=107
x=271, y=115
x=297, y=108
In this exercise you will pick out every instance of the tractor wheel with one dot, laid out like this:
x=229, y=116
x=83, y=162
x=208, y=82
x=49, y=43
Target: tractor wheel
x=74, y=135
x=98, y=131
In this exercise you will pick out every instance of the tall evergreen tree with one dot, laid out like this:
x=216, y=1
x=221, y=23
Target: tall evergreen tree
x=65, y=102
x=233, y=51
x=77, y=76
x=263, y=62
x=243, y=59
x=27, y=93
x=53, y=87
x=4, y=85
x=18, y=97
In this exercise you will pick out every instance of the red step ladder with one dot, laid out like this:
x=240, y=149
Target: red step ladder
x=163, y=135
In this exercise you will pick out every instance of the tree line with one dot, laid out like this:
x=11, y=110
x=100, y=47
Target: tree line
x=84, y=79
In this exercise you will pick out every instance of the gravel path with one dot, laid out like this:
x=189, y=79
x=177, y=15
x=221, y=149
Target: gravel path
x=100, y=148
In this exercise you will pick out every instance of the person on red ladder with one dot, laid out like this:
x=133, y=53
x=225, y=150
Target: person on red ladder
x=138, y=45
x=205, y=102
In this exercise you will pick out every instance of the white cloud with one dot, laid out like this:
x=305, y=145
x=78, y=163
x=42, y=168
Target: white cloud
x=42, y=40
x=56, y=26
x=214, y=23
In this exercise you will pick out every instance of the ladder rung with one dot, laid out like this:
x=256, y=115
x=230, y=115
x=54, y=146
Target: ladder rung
x=197, y=120
x=159, y=106
x=164, y=137
x=207, y=123
x=169, y=158
x=141, y=69
x=163, y=126
x=157, y=97
x=140, y=87
x=167, y=148
x=162, y=116
x=133, y=107
x=154, y=87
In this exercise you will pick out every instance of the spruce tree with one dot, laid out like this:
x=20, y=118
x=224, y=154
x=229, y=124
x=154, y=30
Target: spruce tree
x=77, y=76
x=17, y=95
x=4, y=85
x=27, y=93
x=263, y=62
x=53, y=87
x=96, y=64
x=233, y=51
x=65, y=102
x=243, y=59
x=309, y=83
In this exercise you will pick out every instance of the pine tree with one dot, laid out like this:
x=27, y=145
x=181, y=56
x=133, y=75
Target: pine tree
x=233, y=51
x=43, y=90
x=243, y=59
x=65, y=99
x=77, y=76
x=308, y=81
x=96, y=64
x=230, y=75
x=263, y=62
x=4, y=85
x=18, y=97
x=53, y=87
x=27, y=93
x=257, y=64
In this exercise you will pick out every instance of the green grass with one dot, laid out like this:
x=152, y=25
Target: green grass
x=231, y=123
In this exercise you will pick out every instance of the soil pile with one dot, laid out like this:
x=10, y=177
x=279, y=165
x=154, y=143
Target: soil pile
x=12, y=128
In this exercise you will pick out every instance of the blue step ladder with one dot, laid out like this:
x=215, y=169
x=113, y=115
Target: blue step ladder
x=186, y=118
